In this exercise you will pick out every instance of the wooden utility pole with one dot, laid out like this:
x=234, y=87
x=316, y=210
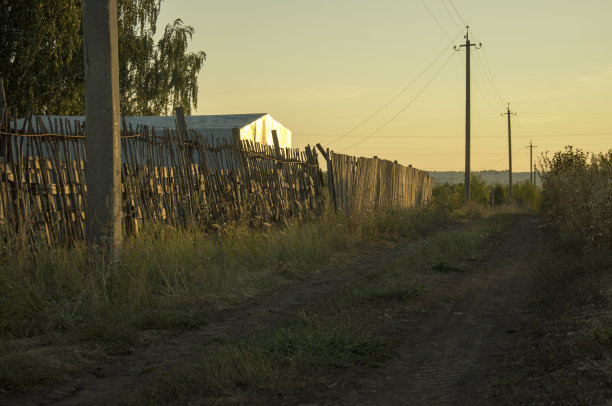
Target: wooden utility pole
x=531, y=171
x=467, y=46
x=509, y=113
x=102, y=143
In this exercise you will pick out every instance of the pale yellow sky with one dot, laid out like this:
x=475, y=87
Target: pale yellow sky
x=321, y=67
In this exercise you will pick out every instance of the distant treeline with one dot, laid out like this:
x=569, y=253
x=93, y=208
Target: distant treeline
x=491, y=177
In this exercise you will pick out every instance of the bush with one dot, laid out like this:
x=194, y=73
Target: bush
x=453, y=196
x=526, y=195
x=578, y=194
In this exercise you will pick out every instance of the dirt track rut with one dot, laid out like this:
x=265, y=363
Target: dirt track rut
x=107, y=383
x=443, y=358
x=448, y=358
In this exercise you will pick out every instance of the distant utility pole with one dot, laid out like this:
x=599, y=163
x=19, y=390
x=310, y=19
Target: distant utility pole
x=467, y=46
x=531, y=171
x=509, y=113
x=103, y=168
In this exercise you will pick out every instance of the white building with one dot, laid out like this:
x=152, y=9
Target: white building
x=255, y=127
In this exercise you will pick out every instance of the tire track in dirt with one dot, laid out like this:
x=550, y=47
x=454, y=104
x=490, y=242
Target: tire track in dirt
x=447, y=360
x=106, y=384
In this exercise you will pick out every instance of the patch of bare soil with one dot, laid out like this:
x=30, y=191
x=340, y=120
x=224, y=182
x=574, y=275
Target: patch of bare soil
x=446, y=356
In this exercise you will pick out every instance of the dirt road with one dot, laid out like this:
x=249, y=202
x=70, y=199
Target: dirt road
x=448, y=358
x=443, y=356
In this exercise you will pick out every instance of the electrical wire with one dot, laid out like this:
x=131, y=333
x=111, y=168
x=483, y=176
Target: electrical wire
x=447, y=36
x=514, y=153
x=400, y=136
x=403, y=108
x=522, y=132
x=574, y=135
x=457, y=11
x=451, y=15
x=398, y=94
x=488, y=73
x=487, y=79
x=438, y=22
x=484, y=54
x=486, y=97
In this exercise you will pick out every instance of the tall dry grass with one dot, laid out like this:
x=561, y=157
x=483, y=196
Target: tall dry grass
x=170, y=278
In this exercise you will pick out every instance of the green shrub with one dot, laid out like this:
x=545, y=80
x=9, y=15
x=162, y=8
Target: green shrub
x=452, y=197
x=526, y=195
x=578, y=194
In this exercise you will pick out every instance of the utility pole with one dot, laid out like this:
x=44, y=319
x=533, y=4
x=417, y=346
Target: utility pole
x=467, y=46
x=509, y=113
x=531, y=171
x=103, y=168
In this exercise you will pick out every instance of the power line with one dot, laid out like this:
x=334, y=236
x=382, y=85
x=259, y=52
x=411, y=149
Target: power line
x=447, y=36
x=573, y=135
x=515, y=152
x=403, y=108
x=398, y=94
x=488, y=79
x=398, y=136
x=486, y=98
x=487, y=75
x=438, y=22
x=446, y=154
x=491, y=74
x=451, y=15
x=457, y=11
x=521, y=127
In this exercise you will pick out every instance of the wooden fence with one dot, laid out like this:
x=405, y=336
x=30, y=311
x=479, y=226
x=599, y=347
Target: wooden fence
x=165, y=178
x=359, y=184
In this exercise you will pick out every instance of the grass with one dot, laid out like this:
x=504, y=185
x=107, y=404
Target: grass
x=287, y=360
x=168, y=280
x=327, y=342
x=58, y=301
x=564, y=351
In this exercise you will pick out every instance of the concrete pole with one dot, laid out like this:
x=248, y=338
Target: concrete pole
x=467, y=46
x=467, y=119
x=509, y=113
x=531, y=162
x=103, y=170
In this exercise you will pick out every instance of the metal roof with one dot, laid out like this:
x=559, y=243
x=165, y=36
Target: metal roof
x=197, y=122
x=194, y=122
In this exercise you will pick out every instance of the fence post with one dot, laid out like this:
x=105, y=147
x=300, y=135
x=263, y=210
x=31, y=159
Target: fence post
x=277, y=150
x=2, y=98
x=183, y=134
x=330, y=175
x=246, y=172
x=3, y=109
x=186, y=169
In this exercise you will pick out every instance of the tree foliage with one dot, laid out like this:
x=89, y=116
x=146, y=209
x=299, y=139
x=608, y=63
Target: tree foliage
x=41, y=58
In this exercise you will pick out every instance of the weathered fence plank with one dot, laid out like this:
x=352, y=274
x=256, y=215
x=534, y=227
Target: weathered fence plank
x=372, y=183
x=178, y=178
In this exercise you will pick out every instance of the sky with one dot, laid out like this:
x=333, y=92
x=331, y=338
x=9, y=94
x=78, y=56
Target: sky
x=323, y=68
